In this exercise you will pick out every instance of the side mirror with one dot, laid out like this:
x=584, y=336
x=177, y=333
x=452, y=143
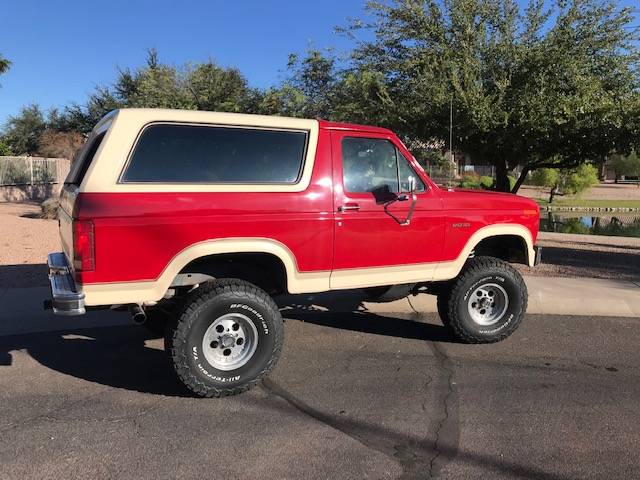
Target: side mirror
x=383, y=195
x=409, y=196
x=412, y=184
x=404, y=196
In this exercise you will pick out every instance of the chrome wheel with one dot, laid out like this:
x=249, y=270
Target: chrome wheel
x=230, y=341
x=487, y=304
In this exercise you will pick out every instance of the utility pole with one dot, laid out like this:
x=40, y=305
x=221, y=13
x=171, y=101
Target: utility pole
x=452, y=166
x=451, y=126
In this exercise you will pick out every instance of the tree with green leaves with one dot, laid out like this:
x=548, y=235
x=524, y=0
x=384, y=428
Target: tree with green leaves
x=550, y=86
x=22, y=132
x=204, y=86
x=626, y=165
x=4, y=64
x=5, y=149
x=566, y=182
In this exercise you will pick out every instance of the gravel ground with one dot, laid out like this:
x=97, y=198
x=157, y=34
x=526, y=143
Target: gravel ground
x=603, y=191
x=563, y=259
x=24, y=245
x=25, y=242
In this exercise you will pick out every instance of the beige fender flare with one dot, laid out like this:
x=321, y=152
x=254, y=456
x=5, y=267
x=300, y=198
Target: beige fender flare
x=154, y=290
x=449, y=270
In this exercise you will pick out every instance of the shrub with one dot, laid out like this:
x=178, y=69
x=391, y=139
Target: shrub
x=545, y=177
x=486, y=181
x=581, y=179
x=574, y=225
x=470, y=180
x=50, y=208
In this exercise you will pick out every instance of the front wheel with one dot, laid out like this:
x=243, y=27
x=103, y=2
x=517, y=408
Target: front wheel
x=486, y=303
x=227, y=338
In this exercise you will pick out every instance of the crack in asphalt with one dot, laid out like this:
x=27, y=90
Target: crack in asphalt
x=418, y=457
x=50, y=415
x=447, y=431
x=272, y=388
x=402, y=449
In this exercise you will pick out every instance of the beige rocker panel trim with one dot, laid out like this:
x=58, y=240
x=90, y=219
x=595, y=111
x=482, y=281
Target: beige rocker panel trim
x=152, y=291
x=425, y=272
x=299, y=282
x=110, y=159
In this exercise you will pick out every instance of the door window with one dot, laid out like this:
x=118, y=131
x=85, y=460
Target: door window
x=405, y=171
x=371, y=163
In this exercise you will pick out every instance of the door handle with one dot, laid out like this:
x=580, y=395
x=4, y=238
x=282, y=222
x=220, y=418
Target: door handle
x=349, y=207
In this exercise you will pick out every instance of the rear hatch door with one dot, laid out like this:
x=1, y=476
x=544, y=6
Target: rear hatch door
x=71, y=190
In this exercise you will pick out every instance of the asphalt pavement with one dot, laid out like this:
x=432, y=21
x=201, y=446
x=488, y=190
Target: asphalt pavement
x=356, y=395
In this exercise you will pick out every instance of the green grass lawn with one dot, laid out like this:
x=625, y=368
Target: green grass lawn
x=578, y=202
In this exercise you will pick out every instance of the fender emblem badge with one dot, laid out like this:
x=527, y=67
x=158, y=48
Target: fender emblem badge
x=461, y=225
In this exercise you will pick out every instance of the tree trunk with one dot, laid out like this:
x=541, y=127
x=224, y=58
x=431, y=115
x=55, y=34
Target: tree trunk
x=603, y=169
x=502, y=177
x=552, y=193
x=521, y=179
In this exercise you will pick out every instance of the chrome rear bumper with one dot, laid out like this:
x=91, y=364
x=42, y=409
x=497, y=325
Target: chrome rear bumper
x=65, y=299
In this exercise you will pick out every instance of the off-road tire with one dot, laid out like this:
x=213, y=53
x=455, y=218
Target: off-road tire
x=389, y=293
x=477, y=273
x=203, y=307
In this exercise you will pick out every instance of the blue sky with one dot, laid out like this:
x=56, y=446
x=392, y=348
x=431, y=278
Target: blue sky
x=61, y=50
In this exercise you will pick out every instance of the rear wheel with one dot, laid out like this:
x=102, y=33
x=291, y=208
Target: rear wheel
x=228, y=337
x=486, y=303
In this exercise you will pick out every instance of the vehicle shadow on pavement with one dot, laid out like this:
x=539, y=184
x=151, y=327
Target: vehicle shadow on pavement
x=128, y=357
x=347, y=311
x=376, y=324
x=24, y=275
x=114, y=356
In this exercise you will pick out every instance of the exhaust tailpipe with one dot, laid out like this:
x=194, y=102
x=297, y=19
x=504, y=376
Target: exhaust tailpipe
x=137, y=314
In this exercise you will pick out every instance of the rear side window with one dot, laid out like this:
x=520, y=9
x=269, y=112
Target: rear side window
x=83, y=160
x=207, y=154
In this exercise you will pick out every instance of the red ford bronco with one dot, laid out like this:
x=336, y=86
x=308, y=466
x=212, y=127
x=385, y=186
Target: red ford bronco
x=192, y=220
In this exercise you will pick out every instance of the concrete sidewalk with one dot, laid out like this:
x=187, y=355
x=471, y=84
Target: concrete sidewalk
x=22, y=307
x=547, y=296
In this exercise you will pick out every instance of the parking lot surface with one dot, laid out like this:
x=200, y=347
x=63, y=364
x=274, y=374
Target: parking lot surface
x=355, y=395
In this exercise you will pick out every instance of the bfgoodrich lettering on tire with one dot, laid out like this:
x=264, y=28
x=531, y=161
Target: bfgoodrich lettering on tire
x=227, y=338
x=486, y=302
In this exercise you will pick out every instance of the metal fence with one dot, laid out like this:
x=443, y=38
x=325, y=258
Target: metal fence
x=32, y=170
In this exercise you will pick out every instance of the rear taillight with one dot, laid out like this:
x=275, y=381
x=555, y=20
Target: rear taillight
x=83, y=246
